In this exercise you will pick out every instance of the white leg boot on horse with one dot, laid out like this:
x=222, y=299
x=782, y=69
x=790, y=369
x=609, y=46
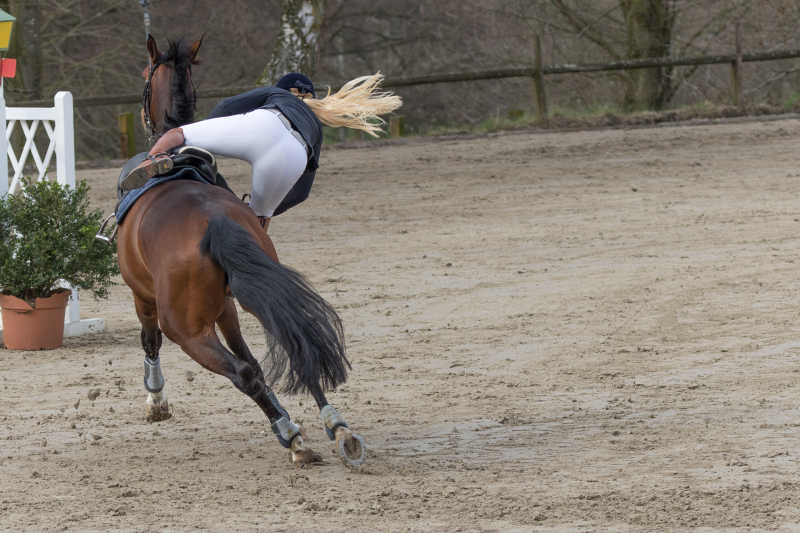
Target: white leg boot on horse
x=157, y=406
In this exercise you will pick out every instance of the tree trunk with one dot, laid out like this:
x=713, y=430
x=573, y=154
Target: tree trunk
x=649, y=26
x=297, y=46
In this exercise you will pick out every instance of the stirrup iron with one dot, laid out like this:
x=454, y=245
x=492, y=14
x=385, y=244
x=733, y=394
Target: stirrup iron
x=100, y=235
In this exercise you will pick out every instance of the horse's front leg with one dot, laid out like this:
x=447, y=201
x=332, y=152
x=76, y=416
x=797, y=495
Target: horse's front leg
x=157, y=406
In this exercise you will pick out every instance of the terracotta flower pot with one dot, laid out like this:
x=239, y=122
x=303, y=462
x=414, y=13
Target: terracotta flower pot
x=40, y=327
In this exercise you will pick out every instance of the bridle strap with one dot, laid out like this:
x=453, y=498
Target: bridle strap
x=146, y=96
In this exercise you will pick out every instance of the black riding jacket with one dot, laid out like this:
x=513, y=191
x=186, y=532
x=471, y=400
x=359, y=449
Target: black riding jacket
x=301, y=117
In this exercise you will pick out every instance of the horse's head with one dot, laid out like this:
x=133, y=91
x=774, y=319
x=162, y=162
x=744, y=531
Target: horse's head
x=169, y=96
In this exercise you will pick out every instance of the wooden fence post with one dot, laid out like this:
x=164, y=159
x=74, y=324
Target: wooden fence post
x=127, y=140
x=538, y=81
x=396, y=124
x=736, y=69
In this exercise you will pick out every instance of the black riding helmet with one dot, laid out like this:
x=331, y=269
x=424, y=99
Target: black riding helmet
x=295, y=80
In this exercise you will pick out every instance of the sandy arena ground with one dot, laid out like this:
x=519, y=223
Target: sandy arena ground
x=584, y=331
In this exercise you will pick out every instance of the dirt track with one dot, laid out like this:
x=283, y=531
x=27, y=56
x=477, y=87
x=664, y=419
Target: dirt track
x=591, y=331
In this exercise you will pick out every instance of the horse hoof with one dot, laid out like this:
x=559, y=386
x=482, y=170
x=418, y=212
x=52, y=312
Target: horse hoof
x=157, y=407
x=352, y=449
x=301, y=455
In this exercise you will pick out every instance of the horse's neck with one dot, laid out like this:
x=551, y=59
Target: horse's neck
x=182, y=104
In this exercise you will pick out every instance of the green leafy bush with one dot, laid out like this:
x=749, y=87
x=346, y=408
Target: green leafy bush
x=47, y=235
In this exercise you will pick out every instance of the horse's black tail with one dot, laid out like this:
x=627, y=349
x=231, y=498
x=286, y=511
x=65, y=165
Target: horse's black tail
x=302, y=327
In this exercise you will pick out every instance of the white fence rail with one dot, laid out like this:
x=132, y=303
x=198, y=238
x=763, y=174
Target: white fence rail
x=57, y=124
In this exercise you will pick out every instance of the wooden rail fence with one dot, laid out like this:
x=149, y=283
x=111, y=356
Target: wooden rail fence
x=536, y=72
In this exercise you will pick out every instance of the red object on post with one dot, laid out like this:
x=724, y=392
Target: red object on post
x=8, y=67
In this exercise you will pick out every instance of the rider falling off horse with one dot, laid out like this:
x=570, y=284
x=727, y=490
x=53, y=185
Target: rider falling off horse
x=278, y=131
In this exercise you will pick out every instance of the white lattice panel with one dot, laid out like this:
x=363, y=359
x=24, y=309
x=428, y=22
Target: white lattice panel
x=56, y=123
x=55, y=126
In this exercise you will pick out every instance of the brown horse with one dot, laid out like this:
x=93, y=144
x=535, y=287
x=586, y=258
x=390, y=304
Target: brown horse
x=186, y=249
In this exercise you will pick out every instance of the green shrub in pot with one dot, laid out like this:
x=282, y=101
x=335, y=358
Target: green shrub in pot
x=47, y=235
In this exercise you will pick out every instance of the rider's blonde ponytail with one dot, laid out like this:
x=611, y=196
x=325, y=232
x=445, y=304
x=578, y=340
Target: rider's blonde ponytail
x=357, y=105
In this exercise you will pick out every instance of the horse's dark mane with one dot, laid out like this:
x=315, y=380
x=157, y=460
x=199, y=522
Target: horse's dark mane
x=183, y=94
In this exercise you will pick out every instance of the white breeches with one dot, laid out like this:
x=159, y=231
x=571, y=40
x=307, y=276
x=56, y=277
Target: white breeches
x=277, y=157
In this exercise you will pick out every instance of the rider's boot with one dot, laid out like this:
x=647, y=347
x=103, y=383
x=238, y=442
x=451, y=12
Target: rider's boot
x=154, y=165
x=157, y=163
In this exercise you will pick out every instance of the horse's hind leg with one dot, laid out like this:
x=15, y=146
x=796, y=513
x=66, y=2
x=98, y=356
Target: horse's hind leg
x=157, y=407
x=351, y=447
x=246, y=375
x=228, y=323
